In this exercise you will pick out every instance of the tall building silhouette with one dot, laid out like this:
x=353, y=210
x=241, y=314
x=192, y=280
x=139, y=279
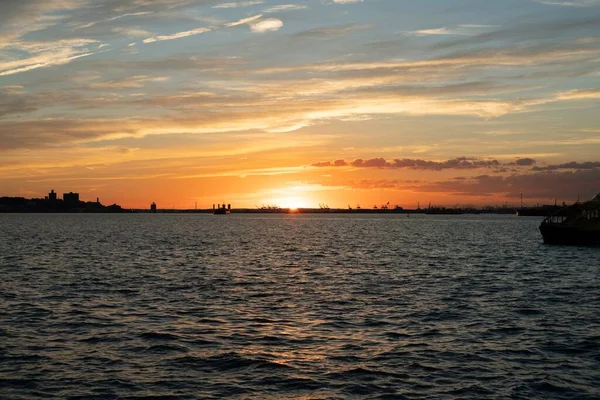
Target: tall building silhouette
x=71, y=199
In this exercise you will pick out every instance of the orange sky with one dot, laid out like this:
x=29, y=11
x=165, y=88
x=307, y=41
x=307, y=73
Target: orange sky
x=300, y=103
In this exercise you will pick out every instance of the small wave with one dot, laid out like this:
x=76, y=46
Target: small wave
x=158, y=336
x=127, y=292
x=27, y=310
x=201, y=342
x=152, y=397
x=423, y=367
x=17, y=383
x=99, y=360
x=549, y=387
x=507, y=330
x=166, y=348
x=290, y=384
x=26, y=358
x=9, y=296
x=211, y=321
x=84, y=325
x=377, y=323
x=226, y=362
x=272, y=340
x=591, y=343
x=364, y=374
x=100, y=339
x=259, y=320
x=444, y=315
x=77, y=312
x=366, y=389
x=397, y=335
x=417, y=344
x=431, y=332
x=391, y=396
x=529, y=311
x=473, y=391
x=261, y=295
x=566, y=349
x=519, y=352
x=393, y=355
x=346, y=359
x=336, y=325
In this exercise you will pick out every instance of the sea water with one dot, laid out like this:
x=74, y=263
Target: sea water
x=254, y=306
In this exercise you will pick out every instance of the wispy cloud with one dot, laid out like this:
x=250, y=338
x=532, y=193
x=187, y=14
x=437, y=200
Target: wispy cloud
x=520, y=57
x=419, y=164
x=573, y=165
x=90, y=24
x=134, y=82
x=131, y=32
x=266, y=25
x=329, y=32
x=436, y=31
x=579, y=94
x=178, y=35
x=44, y=54
x=561, y=185
x=284, y=7
x=239, y=4
x=572, y=3
x=540, y=31
x=243, y=21
x=539, y=185
x=460, y=30
x=19, y=18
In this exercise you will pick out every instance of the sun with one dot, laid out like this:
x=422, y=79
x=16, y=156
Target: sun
x=293, y=203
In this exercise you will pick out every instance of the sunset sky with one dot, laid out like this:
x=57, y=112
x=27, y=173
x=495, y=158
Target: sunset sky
x=300, y=103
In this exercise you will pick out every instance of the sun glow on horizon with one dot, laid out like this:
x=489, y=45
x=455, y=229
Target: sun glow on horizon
x=293, y=203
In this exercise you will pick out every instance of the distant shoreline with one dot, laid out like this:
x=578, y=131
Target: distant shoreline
x=433, y=211
x=72, y=205
x=275, y=211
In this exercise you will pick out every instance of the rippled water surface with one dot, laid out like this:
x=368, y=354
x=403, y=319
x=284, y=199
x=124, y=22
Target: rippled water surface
x=294, y=306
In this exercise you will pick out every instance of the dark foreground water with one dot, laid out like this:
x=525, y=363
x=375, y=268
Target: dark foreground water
x=298, y=306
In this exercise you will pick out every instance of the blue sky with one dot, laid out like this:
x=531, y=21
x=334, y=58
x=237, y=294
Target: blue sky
x=256, y=99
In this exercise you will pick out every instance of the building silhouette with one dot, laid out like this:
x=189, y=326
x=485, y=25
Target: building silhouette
x=153, y=207
x=71, y=200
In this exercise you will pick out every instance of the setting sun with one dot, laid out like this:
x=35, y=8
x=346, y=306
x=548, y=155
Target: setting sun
x=293, y=203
